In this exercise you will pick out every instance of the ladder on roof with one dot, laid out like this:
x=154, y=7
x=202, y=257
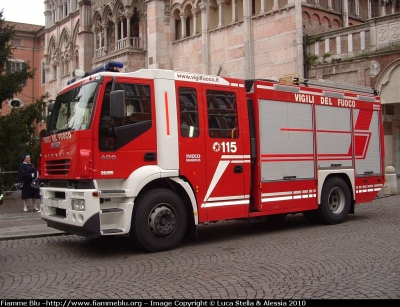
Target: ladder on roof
x=294, y=79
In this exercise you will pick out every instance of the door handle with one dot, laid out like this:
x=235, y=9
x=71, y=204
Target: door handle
x=238, y=169
x=149, y=156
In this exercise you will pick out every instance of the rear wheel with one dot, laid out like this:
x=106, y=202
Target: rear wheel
x=159, y=220
x=335, y=201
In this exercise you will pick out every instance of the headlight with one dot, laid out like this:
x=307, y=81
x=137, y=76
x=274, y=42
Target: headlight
x=78, y=204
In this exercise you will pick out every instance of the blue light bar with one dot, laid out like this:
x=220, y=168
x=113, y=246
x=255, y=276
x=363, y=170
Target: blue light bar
x=71, y=81
x=109, y=66
x=112, y=66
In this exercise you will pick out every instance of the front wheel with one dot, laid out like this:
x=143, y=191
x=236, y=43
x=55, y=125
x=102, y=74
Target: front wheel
x=159, y=220
x=335, y=201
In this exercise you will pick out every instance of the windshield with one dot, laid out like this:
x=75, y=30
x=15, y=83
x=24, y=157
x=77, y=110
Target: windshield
x=73, y=109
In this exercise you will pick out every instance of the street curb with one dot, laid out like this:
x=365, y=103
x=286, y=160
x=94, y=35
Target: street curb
x=29, y=234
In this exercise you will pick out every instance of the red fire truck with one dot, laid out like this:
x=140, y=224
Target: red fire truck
x=154, y=153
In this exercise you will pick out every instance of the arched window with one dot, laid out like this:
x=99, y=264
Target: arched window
x=178, y=25
x=135, y=23
x=189, y=20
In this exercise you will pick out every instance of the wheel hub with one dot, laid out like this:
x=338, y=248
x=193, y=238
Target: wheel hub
x=162, y=221
x=336, y=201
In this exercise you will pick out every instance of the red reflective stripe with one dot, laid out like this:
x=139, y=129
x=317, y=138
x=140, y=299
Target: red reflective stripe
x=166, y=112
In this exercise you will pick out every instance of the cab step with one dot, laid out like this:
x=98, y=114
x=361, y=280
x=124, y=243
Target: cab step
x=111, y=230
x=111, y=210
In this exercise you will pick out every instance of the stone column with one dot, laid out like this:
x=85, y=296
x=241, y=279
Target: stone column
x=204, y=7
x=299, y=59
x=220, y=12
x=373, y=35
x=330, y=5
x=383, y=11
x=357, y=7
x=73, y=62
x=58, y=64
x=128, y=16
x=369, y=9
x=195, y=30
x=85, y=15
x=183, y=24
x=248, y=41
x=64, y=8
x=105, y=31
x=263, y=8
x=115, y=21
x=394, y=6
x=100, y=38
x=234, y=10
x=94, y=30
x=47, y=14
x=345, y=16
x=60, y=11
x=121, y=18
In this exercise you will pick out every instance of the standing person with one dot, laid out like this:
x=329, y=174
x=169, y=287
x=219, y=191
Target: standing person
x=26, y=173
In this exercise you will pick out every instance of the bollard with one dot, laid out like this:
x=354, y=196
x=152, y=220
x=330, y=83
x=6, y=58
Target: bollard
x=390, y=185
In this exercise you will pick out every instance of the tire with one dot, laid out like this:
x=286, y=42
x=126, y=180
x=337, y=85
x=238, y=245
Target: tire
x=159, y=220
x=335, y=201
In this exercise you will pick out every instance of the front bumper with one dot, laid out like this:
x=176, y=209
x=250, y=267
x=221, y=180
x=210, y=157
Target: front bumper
x=90, y=229
x=57, y=212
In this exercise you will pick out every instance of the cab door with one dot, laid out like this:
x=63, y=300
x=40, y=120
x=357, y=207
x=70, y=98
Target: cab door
x=228, y=165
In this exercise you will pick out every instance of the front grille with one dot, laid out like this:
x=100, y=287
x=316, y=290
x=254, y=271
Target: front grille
x=58, y=167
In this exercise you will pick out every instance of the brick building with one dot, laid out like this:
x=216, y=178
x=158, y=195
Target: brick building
x=29, y=43
x=351, y=41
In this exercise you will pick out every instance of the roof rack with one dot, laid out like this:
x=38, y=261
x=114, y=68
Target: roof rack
x=321, y=83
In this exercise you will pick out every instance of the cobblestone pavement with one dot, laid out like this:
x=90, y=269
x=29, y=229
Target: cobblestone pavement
x=15, y=223
x=358, y=259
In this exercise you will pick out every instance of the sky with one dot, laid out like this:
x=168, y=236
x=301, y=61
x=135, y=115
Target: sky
x=26, y=11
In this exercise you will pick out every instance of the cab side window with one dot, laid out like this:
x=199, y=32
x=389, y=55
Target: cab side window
x=222, y=114
x=115, y=133
x=137, y=103
x=189, y=116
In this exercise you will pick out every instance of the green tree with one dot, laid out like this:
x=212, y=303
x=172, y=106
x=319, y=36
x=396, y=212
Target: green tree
x=11, y=81
x=17, y=136
x=17, y=130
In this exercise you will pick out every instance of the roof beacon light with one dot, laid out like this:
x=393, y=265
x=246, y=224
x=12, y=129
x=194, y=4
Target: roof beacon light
x=111, y=66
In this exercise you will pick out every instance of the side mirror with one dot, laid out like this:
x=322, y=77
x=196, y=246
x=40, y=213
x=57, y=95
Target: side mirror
x=50, y=107
x=117, y=104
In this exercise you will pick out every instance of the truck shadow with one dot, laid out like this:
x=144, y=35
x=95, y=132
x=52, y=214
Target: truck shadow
x=207, y=235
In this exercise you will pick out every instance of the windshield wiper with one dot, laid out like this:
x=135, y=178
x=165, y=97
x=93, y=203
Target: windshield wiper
x=55, y=131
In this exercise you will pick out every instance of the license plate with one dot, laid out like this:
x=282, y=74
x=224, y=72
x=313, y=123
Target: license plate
x=54, y=203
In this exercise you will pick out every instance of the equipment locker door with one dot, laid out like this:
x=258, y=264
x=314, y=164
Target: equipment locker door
x=227, y=167
x=287, y=156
